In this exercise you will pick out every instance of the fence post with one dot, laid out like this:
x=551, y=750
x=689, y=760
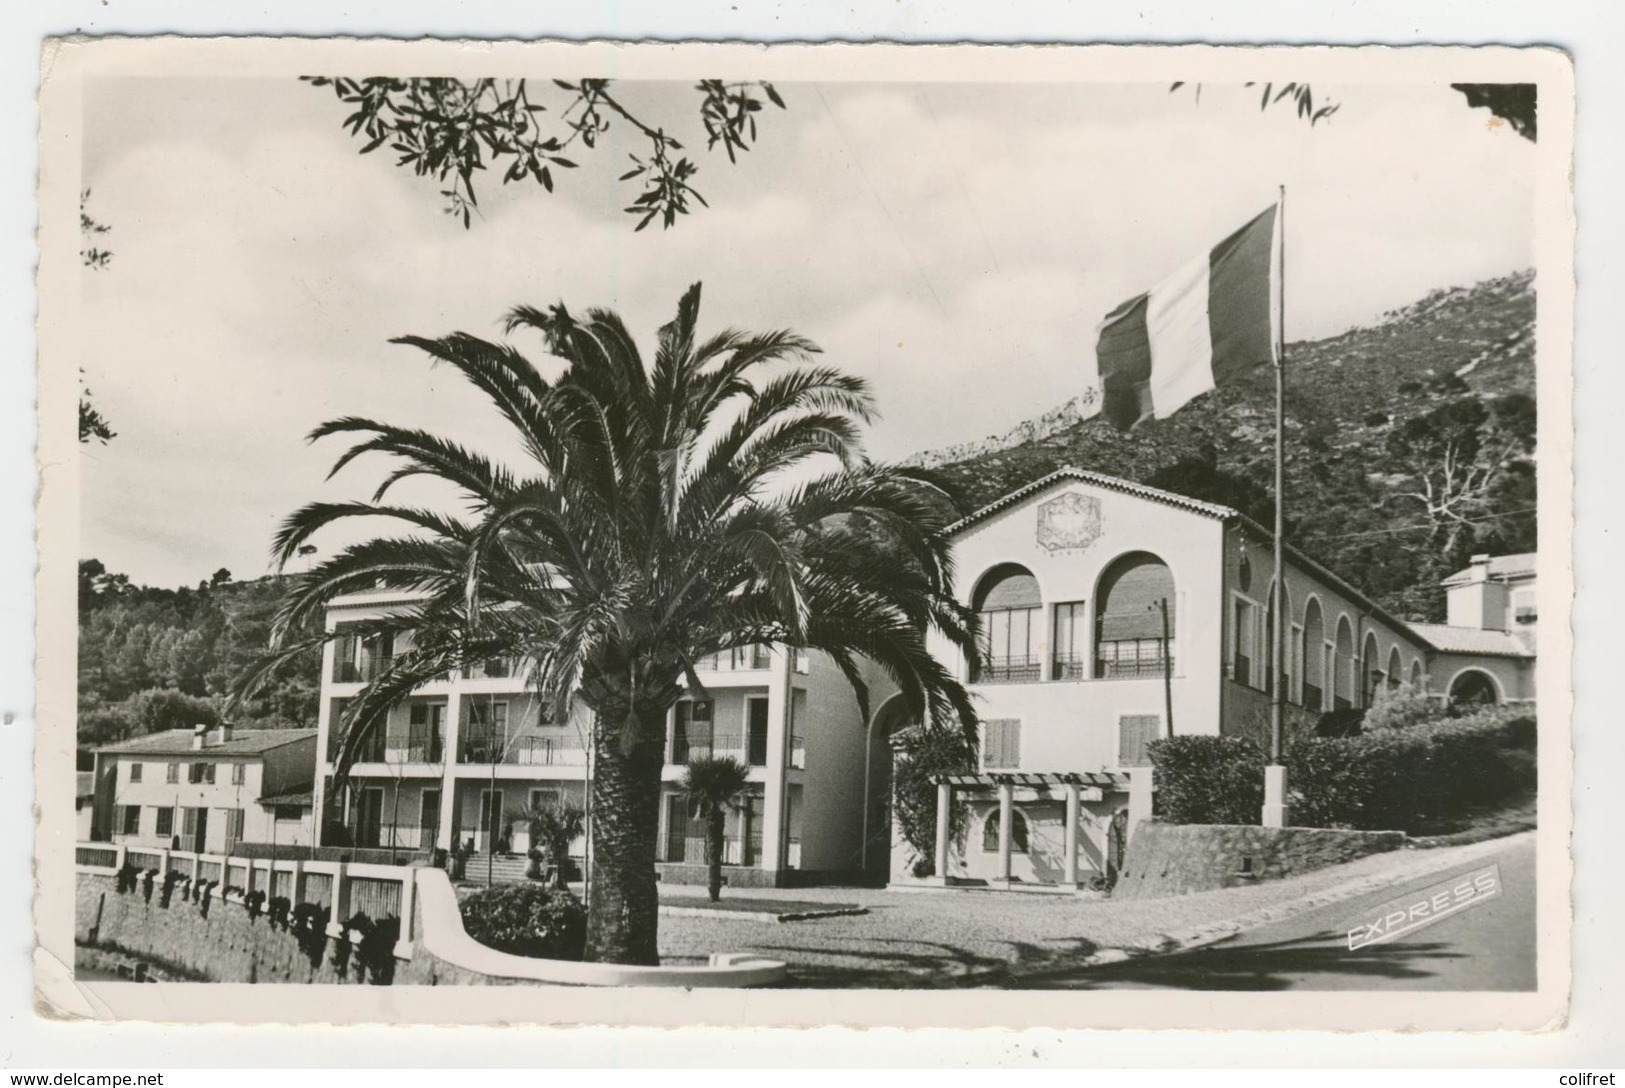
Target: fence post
x=163, y=865
x=341, y=899
x=121, y=854
x=403, y=946
x=1140, y=788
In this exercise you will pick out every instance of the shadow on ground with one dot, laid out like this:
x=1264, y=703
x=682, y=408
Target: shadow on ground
x=1265, y=967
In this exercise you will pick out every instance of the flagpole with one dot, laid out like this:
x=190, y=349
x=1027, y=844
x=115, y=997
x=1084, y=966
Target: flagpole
x=1275, y=808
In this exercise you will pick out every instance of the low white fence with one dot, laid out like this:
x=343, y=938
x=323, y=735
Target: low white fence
x=344, y=888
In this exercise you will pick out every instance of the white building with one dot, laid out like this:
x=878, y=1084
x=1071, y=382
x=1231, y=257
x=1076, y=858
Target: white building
x=1113, y=614
x=462, y=756
x=209, y=791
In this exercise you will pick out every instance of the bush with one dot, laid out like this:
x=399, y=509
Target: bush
x=1418, y=779
x=527, y=920
x=921, y=754
x=1208, y=780
x=1402, y=709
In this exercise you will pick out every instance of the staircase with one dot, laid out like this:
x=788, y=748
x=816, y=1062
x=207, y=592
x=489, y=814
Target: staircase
x=504, y=869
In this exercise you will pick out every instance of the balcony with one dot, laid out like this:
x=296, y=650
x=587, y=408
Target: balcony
x=362, y=670
x=529, y=750
x=798, y=753
x=497, y=668
x=1009, y=670
x=1142, y=669
x=1070, y=667
x=737, y=659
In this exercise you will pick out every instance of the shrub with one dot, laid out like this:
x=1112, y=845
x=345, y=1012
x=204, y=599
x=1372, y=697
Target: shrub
x=922, y=754
x=527, y=920
x=1417, y=779
x=1402, y=709
x=1208, y=780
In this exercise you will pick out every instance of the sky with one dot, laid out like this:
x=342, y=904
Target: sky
x=955, y=244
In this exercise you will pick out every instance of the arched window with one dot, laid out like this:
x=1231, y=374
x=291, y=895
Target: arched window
x=1396, y=670
x=1418, y=681
x=1343, y=666
x=1134, y=593
x=1371, y=662
x=1314, y=658
x=1018, y=832
x=1007, y=603
x=1474, y=687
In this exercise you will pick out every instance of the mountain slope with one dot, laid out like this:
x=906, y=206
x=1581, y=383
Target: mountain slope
x=1366, y=413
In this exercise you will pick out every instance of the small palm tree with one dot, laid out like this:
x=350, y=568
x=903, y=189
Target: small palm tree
x=712, y=787
x=554, y=825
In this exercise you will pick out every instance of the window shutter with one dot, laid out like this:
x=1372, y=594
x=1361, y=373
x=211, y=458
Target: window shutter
x=1001, y=743
x=1134, y=732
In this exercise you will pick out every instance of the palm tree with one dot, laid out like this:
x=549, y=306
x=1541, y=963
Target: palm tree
x=554, y=825
x=664, y=511
x=713, y=787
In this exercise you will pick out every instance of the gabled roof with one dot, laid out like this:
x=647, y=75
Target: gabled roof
x=1473, y=640
x=1111, y=483
x=1501, y=567
x=178, y=742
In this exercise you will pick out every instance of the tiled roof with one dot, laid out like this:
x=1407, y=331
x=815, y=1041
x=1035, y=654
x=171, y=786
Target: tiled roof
x=1472, y=640
x=178, y=742
x=1501, y=566
x=1111, y=483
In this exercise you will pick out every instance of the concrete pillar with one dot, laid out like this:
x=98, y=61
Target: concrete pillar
x=163, y=866
x=409, y=884
x=1007, y=796
x=1069, y=837
x=121, y=854
x=1276, y=812
x=775, y=795
x=945, y=803
x=341, y=900
x=1140, y=789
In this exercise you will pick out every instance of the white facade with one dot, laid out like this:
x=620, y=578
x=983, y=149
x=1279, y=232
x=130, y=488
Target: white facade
x=206, y=791
x=1079, y=669
x=463, y=755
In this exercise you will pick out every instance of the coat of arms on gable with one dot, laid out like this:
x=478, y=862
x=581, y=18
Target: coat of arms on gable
x=1069, y=521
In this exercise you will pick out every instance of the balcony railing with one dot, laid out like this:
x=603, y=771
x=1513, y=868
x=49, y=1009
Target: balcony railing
x=369, y=668
x=563, y=749
x=707, y=746
x=421, y=745
x=1107, y=669
x=1010, y=670
x=737, y=659
x=1071, y=667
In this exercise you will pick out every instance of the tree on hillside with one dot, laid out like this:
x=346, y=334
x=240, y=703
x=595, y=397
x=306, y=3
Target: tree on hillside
x=450, y=129
x=713, y=788
x=1514, y=103
x=1459, y=456
x=649, y=526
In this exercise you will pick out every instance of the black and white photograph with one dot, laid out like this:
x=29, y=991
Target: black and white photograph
x=699, y=525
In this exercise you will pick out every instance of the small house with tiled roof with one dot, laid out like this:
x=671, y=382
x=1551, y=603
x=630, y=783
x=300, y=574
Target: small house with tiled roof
x=208, y=790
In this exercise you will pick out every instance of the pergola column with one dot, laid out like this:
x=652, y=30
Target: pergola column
x=1007, y=795
x=1070, y=837
x=945, y=803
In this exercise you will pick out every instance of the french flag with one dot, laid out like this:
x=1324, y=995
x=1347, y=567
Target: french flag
x=1212, y=319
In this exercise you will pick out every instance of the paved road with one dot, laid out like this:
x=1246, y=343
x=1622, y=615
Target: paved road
x=1486, y=947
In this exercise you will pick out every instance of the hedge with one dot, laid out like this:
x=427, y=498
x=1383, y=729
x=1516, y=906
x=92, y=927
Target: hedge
x=1417, y=779
x=527, y=920
x=1208, y=780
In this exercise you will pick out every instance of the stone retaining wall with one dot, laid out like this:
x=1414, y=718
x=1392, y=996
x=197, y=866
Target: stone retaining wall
x=226, y=946
x=1175, y=859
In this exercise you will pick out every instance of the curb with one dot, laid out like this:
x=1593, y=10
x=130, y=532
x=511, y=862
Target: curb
x=759, y=915
x=1193, y=937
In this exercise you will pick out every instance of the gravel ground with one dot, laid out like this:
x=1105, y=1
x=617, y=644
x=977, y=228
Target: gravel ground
x=982, y=938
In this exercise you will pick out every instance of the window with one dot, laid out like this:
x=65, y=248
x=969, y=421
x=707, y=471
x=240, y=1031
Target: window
x=172, y=773
x=692, y=730
x=543, y=798
x=1071, y=641
x=1523, y=606
x=426, y=733
x=1244, y=637
x=131, y=822
x=208, y=773
x=1007, y=604
x=346, y=659
x=135, y=772
x=194, y=772
x=239, y=773
x=1134, y=733
x=1314, y=658
x=1018, y=832
x=756, y=732
x=485, y=737
x=1134, y=619
x=1001, y=743
x=286, y=813
x=166, y=821
x=234, y=825
x=189, y=821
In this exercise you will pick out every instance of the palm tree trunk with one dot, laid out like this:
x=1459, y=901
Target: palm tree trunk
x=623, y=910
x=713, y=853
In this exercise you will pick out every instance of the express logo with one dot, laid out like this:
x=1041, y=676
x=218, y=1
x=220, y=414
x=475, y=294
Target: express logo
x=1413, y=912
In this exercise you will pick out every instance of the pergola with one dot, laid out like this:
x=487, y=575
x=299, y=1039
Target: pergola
x=1068, y=786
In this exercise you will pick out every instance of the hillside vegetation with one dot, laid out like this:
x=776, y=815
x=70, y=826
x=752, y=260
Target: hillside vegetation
x=1409, y=444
